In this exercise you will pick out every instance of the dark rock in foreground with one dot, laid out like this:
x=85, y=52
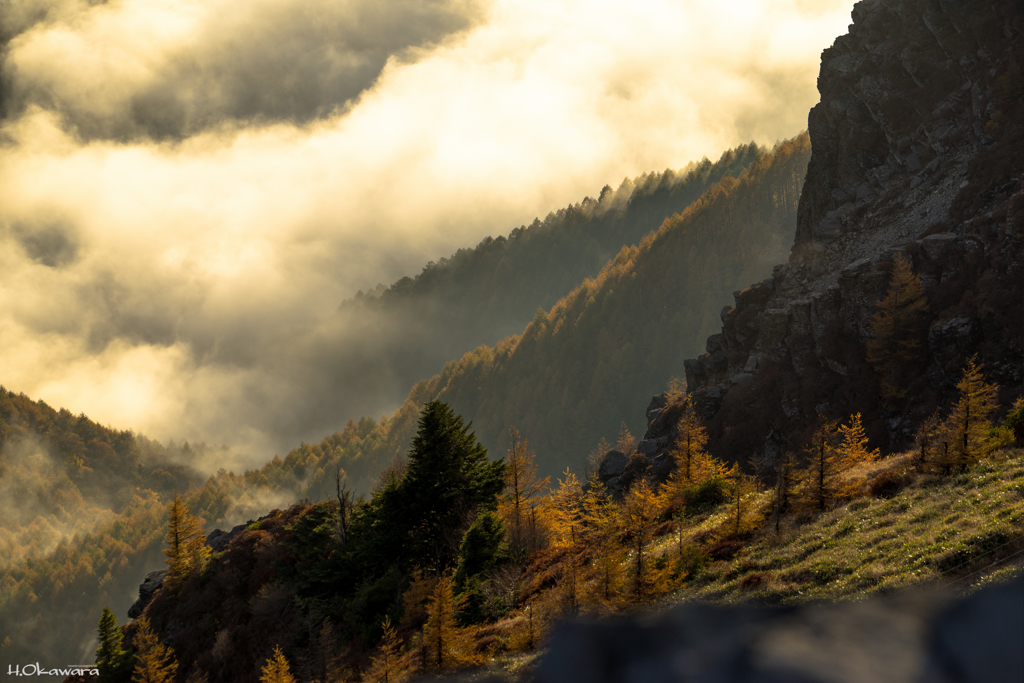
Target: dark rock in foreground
x=913, y=637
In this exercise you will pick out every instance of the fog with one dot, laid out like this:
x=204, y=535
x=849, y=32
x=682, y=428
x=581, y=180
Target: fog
x=188, y=189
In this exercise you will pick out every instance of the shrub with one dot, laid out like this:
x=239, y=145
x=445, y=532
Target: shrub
x=890, y=482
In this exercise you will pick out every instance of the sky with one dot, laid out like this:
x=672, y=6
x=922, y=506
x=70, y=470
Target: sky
x=189, y=188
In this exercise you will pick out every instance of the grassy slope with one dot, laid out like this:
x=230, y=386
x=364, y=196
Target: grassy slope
x=962, y=530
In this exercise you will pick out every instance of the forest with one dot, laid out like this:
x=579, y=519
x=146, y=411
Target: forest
x=458, y=560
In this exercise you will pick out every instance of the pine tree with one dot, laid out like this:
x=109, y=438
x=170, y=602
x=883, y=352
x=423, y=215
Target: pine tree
x=276, y=669
x=154, y=661
x=448, y=479
x=897, y=326
x=186, y=549
x=386, y=666
x=112, y=660
x=519, y=502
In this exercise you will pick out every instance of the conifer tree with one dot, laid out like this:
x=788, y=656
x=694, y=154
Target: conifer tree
x=743, y=485
x=447, y=480
x=519, y=501
x=640, y=510
x=154, y=661
x=276, y=669
x=386, y=666
x=112, y=660
x=821, y=480
x=693, y=464
x=566, y=507
x=442, y=625
x=834, y=450
x=186, y=549
x=786, y=481
x=897, y=328
x=626, y=442
x=964, y=431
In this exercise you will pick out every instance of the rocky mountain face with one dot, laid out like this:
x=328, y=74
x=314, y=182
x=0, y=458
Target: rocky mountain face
x=916, y=153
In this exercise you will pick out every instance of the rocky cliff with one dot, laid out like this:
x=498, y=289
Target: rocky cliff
x=916, y=152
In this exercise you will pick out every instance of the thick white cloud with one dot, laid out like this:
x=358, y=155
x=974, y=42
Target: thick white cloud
x=188, y=189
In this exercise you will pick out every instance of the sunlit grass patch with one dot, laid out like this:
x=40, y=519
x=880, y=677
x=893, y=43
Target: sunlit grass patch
x=958, y=530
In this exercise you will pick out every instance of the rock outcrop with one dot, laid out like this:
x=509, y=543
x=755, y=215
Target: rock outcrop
x=150, y=585
x=915, y=152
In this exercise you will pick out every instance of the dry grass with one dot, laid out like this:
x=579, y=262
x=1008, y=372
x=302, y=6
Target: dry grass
x=964, y=530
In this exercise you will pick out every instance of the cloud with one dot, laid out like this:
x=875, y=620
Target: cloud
x=150, y=68
x=189, y=189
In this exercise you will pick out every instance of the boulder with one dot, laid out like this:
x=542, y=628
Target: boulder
x=613, y=464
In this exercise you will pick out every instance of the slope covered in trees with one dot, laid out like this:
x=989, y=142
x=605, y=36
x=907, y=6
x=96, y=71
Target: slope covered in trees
x=580, y=369
x=480, y=295
x=83, y=519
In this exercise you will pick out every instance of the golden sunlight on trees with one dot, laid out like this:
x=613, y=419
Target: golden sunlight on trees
x=897, y=328
x=154, y=661
x=626, y=442
x=693, y=464
x=386, y=666
x=442, y=629
x=276, y=669
x=834, y=450
x=519, y=503
x=186, y=549
x=963, y=437
x=744, y=487
x=640, y=510
x=565, y=504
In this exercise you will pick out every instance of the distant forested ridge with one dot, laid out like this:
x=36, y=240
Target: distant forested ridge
x=481, y=295
x=583, y=367
x=83, y=519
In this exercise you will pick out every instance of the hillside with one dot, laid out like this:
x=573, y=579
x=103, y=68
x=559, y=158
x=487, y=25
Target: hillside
x=83, y=520
x=580, y=369
x=407, y=331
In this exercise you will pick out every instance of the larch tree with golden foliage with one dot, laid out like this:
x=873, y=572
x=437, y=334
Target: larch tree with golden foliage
x=186, y=549
x=743, y=486
x=565, y=504
x=442, y=628
x=276, y=670
x=640, y=509
x=154, y=661
x=963, y=434
x=897, y=328
x=834, y=451
x=519, y=502
x=626, y=442
x=386, y=665
x=693, y=464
